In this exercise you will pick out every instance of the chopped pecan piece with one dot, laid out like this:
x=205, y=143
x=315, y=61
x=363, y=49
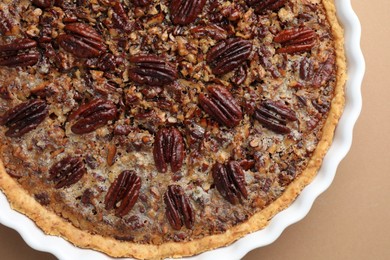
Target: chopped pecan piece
x=294, y=40
x=178, y=208
x=221, y=106
x=43, y=3
x=214, y=31
x=262, y=6
x=111, y=152
x=108, y=62
x=12, y=53
x=320, y=106
x=141, y=3
x=43, y=198
x=24, y=117
x=67, y=172
x=168, y=149
x=93, y=115
x=152, y=70
x=125, y=189
x=8, y=25
x=228, y=54
x=274, y=116
x=5, y=93
x=240, y=76
x=229, y=179
x=82, y=41
x=184, y=12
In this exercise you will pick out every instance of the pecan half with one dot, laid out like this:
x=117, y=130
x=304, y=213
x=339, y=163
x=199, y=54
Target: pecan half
x=262, y=6
x=18, y=44
x=24, y=117
x=184, y=12
x=119, y=17
x=227, y=55
x=274, y=116
x=179, y=211
x=16, y=53
x=229, y=179
x=125, y=189
x=152, y=70
x=93, y=115
x=297, y=39
x=221, y=106
x=306, y=68
x=20, y=60
x=168, y=149
x=82, y=41
x=324, y=72
x=67, y=172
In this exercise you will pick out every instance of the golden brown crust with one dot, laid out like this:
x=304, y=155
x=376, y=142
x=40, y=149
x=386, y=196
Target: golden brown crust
x=52, y=224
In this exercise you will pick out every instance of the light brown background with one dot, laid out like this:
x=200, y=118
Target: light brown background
x=351, y=220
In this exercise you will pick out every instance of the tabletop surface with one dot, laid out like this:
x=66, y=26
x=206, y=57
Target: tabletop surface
x=351, y=219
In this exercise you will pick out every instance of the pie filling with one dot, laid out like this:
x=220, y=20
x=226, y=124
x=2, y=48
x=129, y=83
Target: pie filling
x=162, y=121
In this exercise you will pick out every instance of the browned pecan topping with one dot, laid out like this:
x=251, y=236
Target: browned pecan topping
x=13, y=54
x=229, y=179
x=214, y=31
x=152, y=70
x=221, y=106
x=43, y=3
x=178, y=208
x=93, y=115
x=297, y=39
x=324, y=72
x=229, y=54
x=184, y=12
x=67, y=171
x=82, y=41
x=24, y=117
x=274, y=115
x=262, y=6
x=125, y=189
x=168, y=149
x=119, y=17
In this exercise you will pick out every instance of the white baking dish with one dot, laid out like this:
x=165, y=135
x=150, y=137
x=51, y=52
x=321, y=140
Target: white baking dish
x=339, y=148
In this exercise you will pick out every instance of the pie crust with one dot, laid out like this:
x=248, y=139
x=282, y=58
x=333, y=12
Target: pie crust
x=53, y=224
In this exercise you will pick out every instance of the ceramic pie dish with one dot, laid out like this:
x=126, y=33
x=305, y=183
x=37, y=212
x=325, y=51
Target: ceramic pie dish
x=213, y=91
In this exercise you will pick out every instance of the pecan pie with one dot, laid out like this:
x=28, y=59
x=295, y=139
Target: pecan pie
x=155, y=129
